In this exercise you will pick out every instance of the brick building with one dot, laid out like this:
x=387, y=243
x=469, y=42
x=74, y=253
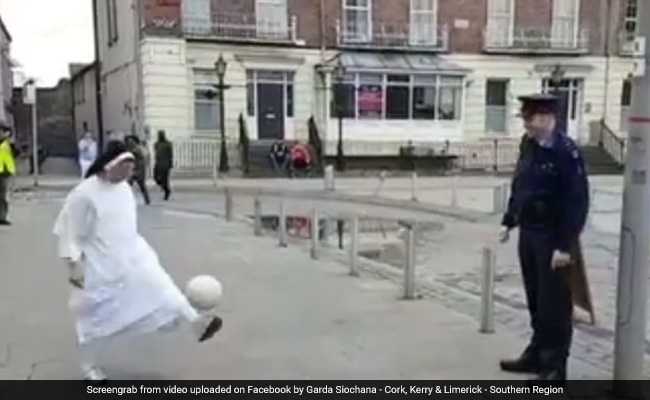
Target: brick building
x=428, y=71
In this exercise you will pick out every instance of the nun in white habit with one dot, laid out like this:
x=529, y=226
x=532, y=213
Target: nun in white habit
x=119, y=286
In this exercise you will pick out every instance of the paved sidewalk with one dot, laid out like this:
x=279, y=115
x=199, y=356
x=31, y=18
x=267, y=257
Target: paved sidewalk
x=285, y=315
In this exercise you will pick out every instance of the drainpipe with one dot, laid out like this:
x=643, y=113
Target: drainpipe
x=608, y=28
x=322, y=30
x=139, y=96
x=98, y=80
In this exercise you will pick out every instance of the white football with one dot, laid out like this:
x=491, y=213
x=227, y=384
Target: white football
x=203, y=292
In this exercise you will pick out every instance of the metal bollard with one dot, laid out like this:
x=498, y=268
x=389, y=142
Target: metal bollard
x=282, y=224
x=329, y=178
x=454, y=192
x=409, y=267
x=414, y=178
x=314, y=234
x=228, y=205
x=354, y=246
x=258, y=217
x=497, y=199
x=487, y=291
x=505, y=196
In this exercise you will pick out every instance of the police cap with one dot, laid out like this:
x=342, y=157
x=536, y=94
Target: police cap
x=540, y=103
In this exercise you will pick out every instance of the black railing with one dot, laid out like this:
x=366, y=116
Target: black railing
x=611, y=143
x=244, y=143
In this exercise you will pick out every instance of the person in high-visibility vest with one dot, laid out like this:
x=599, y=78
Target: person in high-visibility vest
x=8, y=155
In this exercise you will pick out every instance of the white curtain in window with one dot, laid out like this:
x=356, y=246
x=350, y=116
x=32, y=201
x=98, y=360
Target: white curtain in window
x=500, y=22
x=565, y=22
x=272, y=18
x=196, y=16
x=356, y=23
x=423, y=30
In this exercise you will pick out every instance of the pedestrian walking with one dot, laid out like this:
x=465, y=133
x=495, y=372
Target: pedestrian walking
x=118, y=285
x=87, y=151
x=549, y=204
x=164, y=162
x=140, y=168
x=8, y=155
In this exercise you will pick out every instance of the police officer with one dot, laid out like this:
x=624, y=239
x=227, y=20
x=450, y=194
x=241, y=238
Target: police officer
x=549, y=204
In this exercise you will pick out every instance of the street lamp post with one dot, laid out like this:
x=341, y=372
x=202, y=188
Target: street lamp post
x=339, y=74
x=221, y=66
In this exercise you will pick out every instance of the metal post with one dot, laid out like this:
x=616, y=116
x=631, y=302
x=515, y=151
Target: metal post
x=354, y=246
x=329, y=178
x=414, y=178
x=632, y=295
x=35, y=142
x=497, y=199
x=314, y=234
x=228, y=205
x=487, y=291
x=258, y=217
x=339, y=230
x=454, y=192
x=409, y=267
x=282, y=224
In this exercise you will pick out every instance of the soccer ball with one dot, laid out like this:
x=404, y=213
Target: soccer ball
x=203, y=292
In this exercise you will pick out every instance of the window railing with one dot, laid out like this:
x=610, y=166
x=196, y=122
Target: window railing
x=612, y=143
x=242, y=27
x=500, y=39
x=395, y=36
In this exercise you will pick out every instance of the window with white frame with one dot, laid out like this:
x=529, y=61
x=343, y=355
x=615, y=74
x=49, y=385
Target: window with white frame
x=206, y=101
x=357, y=20
x=500, y=23
x=197, y=17
x=631, y=22
x=271, y=16
x=399, y=97
x=565, y=23
x=424, y=26
x=256, y=77
x=496, y=105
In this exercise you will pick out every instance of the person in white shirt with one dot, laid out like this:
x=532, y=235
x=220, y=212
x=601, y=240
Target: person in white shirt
x=87, y=152
x=118, y=285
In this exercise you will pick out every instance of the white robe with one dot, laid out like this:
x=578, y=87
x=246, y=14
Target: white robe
x=125, y=288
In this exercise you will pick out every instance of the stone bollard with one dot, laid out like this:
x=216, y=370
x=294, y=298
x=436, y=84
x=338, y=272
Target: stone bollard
x=228, y=205
x=409, y=267
x=314, y=234
x=414, y=179
x=487, y=291
x=454, y=192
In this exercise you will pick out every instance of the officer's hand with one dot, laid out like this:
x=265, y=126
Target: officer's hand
x=75, y=274
x=504, y=234
x=560, y=259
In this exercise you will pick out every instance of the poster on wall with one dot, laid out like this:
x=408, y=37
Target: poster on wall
x=370, y=101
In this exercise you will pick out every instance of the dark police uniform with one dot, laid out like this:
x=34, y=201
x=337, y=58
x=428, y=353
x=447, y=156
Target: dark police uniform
x=549, y=204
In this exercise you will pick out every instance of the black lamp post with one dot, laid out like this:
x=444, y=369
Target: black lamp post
x=221, y=66
x=339, y=74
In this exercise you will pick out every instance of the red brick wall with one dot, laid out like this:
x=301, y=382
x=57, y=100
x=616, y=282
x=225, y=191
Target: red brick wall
x=160, y=15
x=464, y=40
x=308, y=13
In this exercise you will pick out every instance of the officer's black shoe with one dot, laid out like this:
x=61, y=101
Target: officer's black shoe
x=5, y=222
x=552, y=375
x=528, y=362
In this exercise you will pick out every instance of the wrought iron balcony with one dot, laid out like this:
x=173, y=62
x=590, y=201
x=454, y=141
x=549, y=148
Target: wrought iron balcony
x=242, y=27
x=395, y=36
x=529, y=40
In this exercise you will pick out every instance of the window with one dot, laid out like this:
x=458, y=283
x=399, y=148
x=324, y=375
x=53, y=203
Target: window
x=357, y=25
x=370, y=98
x=197, y=16
x=112, y=21
x=500, y=23
x=626, y=96
x=496, y=105
x=271, y=18
x=398, y=97
x=206, y=109
x=423, y=29
x=565, y=23
x=631, y=19
x=449, y=104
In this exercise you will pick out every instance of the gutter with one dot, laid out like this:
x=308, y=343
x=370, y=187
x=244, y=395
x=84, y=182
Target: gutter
x=98, y=80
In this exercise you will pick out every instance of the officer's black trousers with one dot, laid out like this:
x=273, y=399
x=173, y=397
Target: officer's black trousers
x=549, y=298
